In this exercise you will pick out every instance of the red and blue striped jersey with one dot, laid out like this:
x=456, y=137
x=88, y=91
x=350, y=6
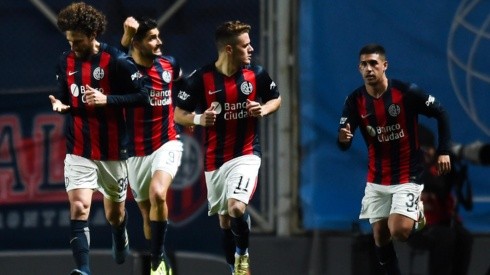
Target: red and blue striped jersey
x=153, y=125
x=98, y=133
x=235, y=133
x=389, y=126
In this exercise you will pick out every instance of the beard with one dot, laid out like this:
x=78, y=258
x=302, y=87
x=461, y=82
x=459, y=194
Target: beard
x=150, y=54
x=84, y=55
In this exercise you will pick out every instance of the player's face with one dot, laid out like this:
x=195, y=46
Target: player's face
x=372, y=68
x=80, y=43
x=242, y=51
x=150, y=46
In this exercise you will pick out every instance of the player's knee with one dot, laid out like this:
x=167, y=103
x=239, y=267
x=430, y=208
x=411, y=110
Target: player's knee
x=236, y=210
x=158, y=193
x=79, y=209
x=400, y=233
x=158, y=198
x=114, y=216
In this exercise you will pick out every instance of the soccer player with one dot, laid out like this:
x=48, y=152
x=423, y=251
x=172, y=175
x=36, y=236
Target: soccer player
x=386, y=112
x=229, y=97
x=155, y=149
x=94, y=81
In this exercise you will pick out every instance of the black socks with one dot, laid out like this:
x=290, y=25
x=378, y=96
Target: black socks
x=387, y=259
x=241, y=230
x=80, y=244
x=119, y=232
x=157, y=250
x=228, y=241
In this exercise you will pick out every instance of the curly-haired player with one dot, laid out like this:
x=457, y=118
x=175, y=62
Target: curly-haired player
x=95, y=82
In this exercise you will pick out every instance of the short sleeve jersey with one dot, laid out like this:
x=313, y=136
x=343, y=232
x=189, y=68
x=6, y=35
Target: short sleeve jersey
x=153, y=125
x=235, y=133
x=389, y=127
x=97, y=133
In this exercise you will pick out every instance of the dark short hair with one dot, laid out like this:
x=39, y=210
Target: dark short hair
x=83, y=18
x=145, y=24
x=373, y=48
x=227, y=32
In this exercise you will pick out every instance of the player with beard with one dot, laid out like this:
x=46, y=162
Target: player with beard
x=95, y=81
x=155, y=149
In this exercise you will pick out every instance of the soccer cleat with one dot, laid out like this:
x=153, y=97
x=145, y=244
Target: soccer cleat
x=241, y=264
x=78, y=272
x=420, y=223
x=162, y=269
x=120, y=248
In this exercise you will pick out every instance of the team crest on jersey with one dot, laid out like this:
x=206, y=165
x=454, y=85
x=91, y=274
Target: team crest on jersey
x=98, y=73
x=166, y=76
x=394, y=110
x=246, y=87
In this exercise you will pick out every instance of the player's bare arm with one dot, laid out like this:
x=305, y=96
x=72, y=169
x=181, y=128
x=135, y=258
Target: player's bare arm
x=186, y=118
x=256, y=109
x=58, y=106
x=183, y=117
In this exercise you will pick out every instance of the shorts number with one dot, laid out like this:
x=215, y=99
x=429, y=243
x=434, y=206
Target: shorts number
x=241, y=188
x=412, y=202
x=122, y=184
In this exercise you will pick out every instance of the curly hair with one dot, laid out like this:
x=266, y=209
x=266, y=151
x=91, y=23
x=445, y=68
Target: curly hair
x=83, y=18
x=227, y=32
